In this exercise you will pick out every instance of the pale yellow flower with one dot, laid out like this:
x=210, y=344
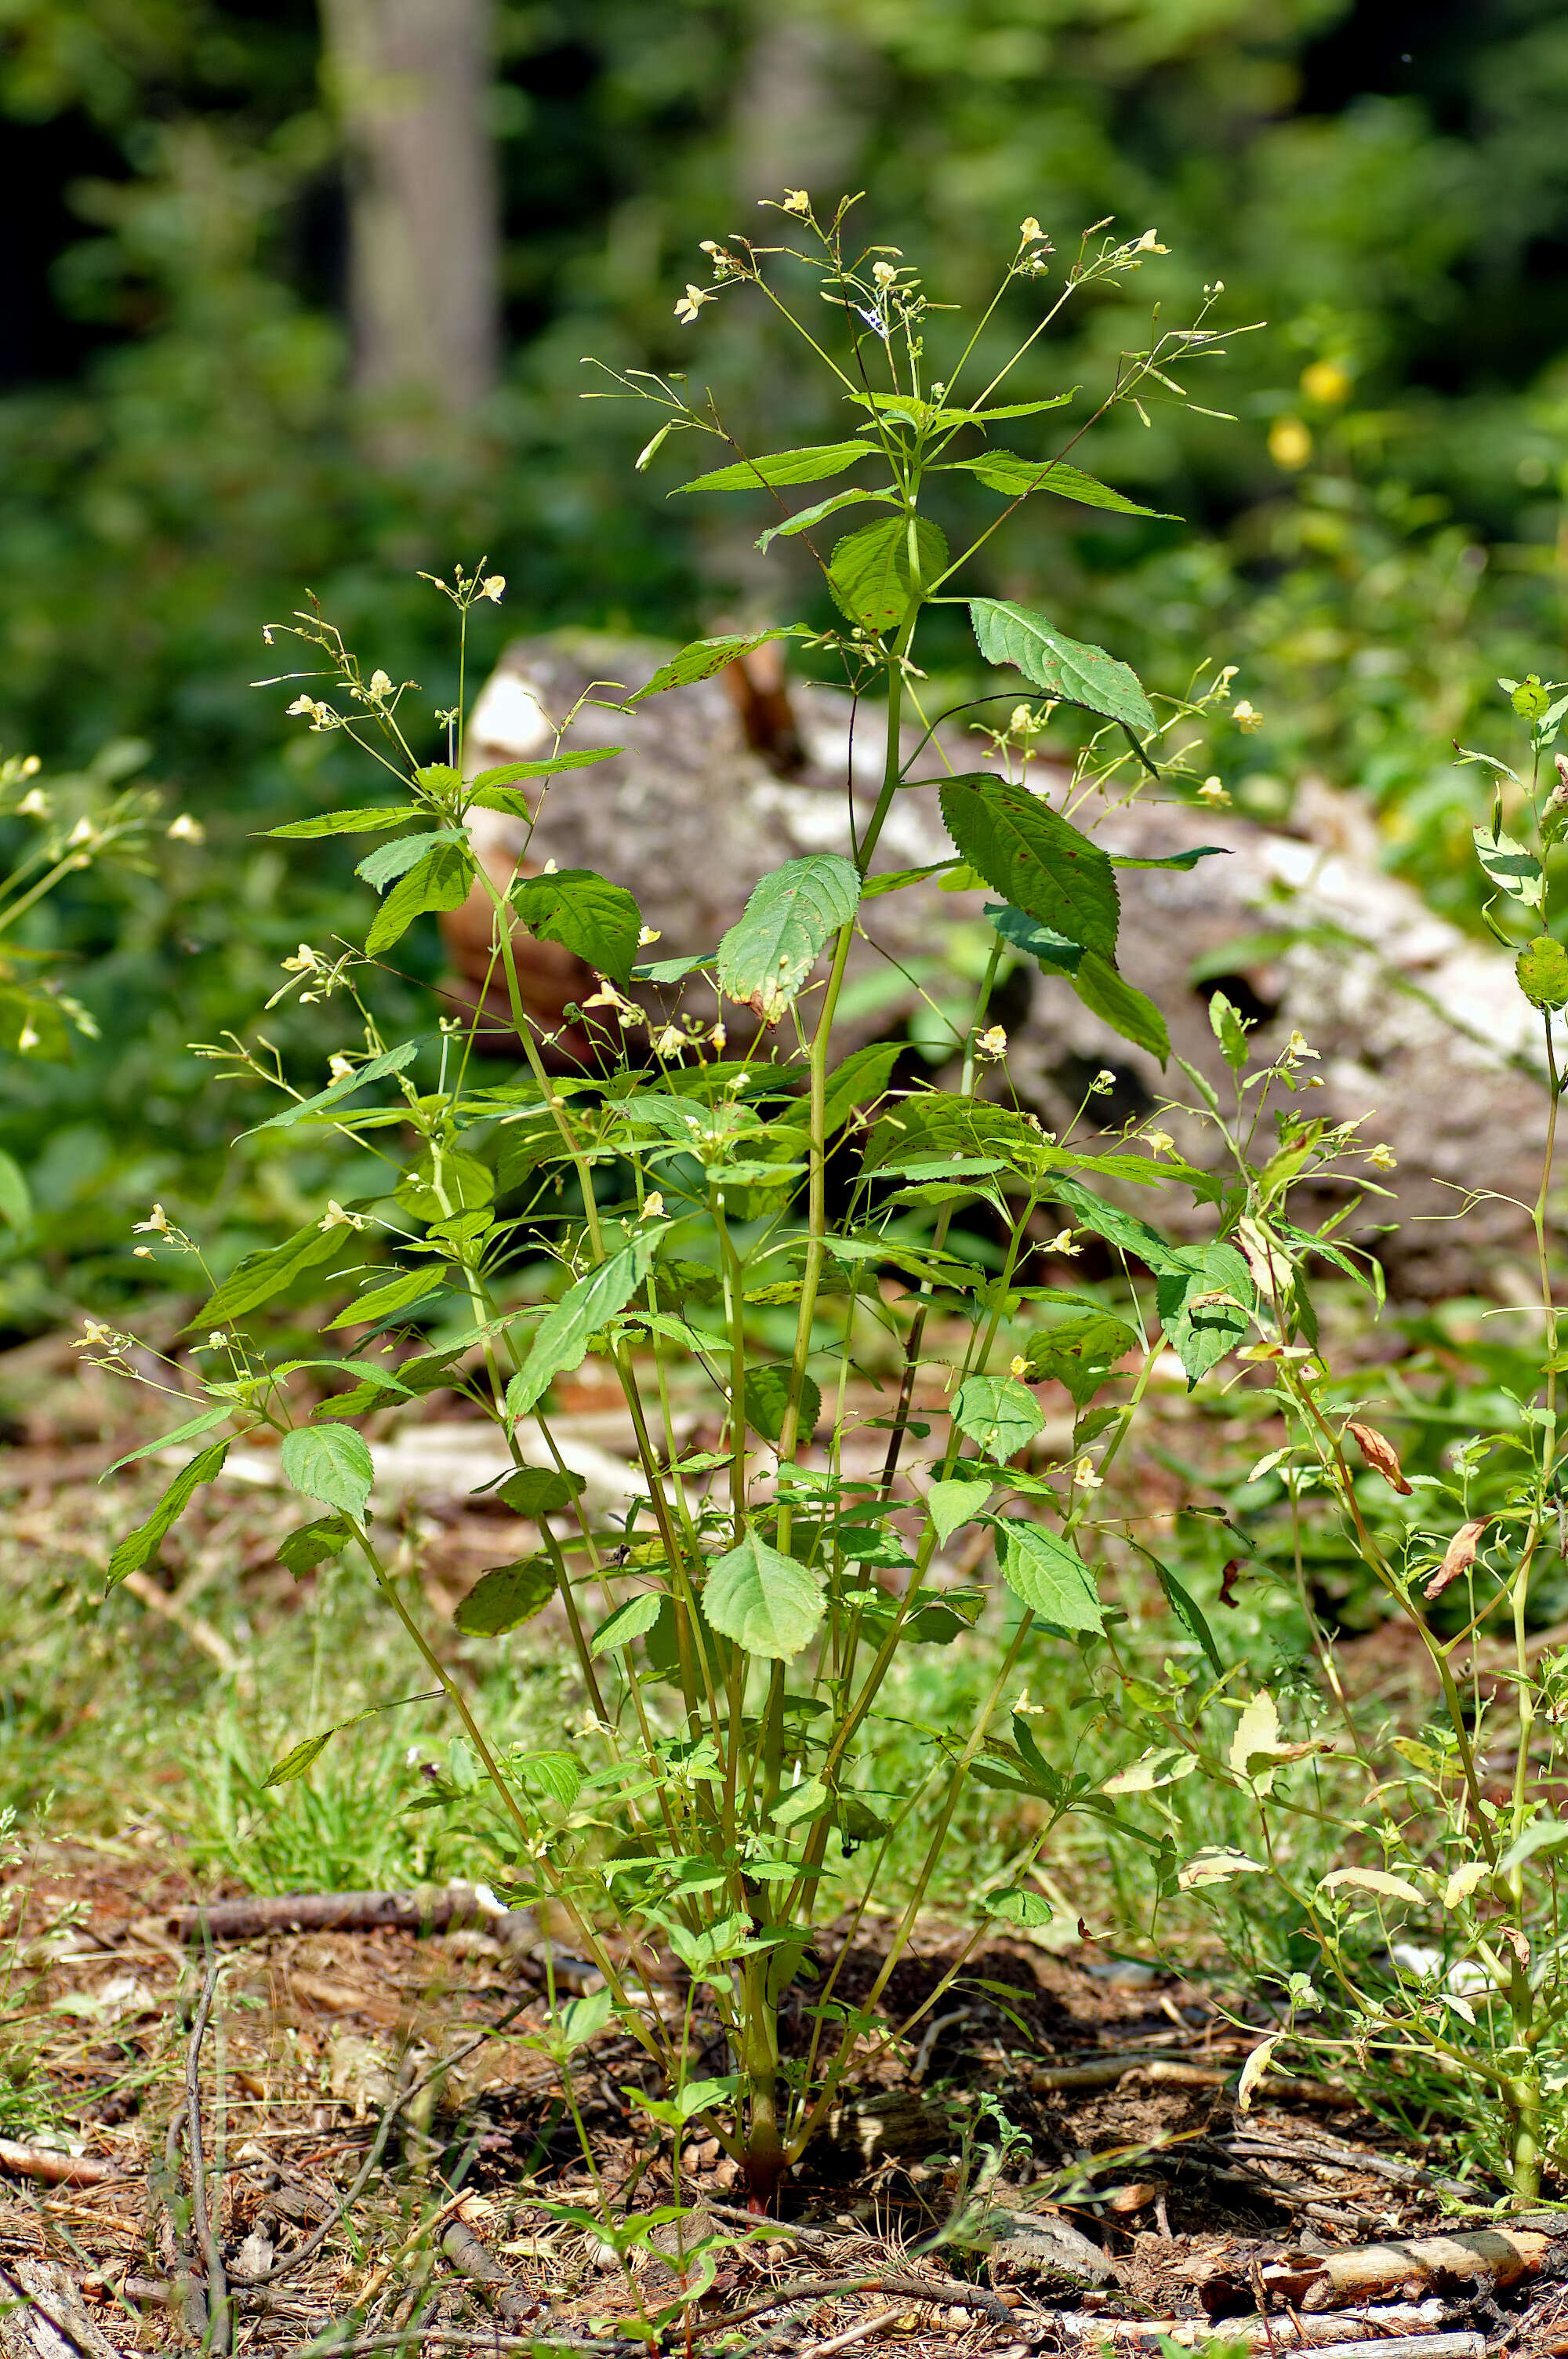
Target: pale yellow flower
x=795, y=200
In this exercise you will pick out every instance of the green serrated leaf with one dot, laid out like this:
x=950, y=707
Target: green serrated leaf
x=1000, y=471
x=998, y=1414
x=392, y=1060
x=765, y=958
x=810, y=464
x=438, y=882
x=1106, y=993
x=308, y=1545
x=1035, y=858
x=143, y=1544
x=561, y=1339
x=1201, y=1296
x=382, y=866
x=509, y=774
x=703, y=657
x=1054, y=952
x=1049, y=1575
x=954, y=1502
x=765, y=1399
x=1069, y=669
x=864, y=1073
x=768, y=1604
x=363, y=821
x=1510, y=867
x=628, y=1621
x=1228, y=1028
x=577, y=908
x=804, y=518
x=506, y=1595
x=1542, y=968
x=384, y=1301
x=261, y=1275
x=203, y=1424
x=535, y=1491
x=332, y=1462
x=869, y=572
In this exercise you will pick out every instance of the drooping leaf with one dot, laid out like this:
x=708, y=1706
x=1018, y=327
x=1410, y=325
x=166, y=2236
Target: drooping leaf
x=382, y=866
x=1167, y=1765
x=1123, y=1230
x=1203, y=1296
x=143, y=1544
x=1458, y=1556
x=1107, y=995
x=308, y=1545
x=1069, y=669
x=364, y=822
x=765, y=958
x=1000, y=471
x=392, y=1060
x=703, y=657
x=864, y=1073
x=188, y=1432
x=438, y=882
x=1214, y=1866
x=1176, y=860
x=1372, y=1879
x=765, y=1398
x=1035, y=858
x=954, y=1502
x=560, y=1340
x=1229, y=1028
x=597, y=921
x=811, y=464
x=302, y=1755
x=1379, y=1454
x=628, y=1621
x=1510, y=867
x=461, y=1179
x=804, y=518
x=535, y=1491
x=869, y=572
x=1082, y=1352
x=1048, y=1574
x=768, y=1604
x=332, y=1462
x=1186, y=1609
x=998, y=1414
x=1054, y=951
x=400, y=1293
x=506, y=1595
x=260, y=1276
x=511, y=774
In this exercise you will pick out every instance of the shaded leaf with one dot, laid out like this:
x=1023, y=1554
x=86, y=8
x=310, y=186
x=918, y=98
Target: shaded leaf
x=438, y=882
x=1202, y=1297
x=1107, y=995
x=956, y=1502
x=391, y=1060
x=508, y=774
x=998, y=1414
x=1035, y=858
x=535, y=1491
x=203, y=1424
x=582, y=910
x=703, y=657
x=506, y=1595
x=15, y=1199
x=765, y=1398
x=628, y=1621
x=765, y=958
x=390, y=860
x=260, y=1276
x=308, y=1545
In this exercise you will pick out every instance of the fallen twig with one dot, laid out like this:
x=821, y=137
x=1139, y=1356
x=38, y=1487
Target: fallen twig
x=810, y=2290
x=51, y=2319
x=441, y=1910
x=861, y=2333
x=471, y=2260
x=55, y=2169
x=1347, y=2158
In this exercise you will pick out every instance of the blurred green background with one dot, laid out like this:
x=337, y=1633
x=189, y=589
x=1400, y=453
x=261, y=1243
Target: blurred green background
x=209, y=400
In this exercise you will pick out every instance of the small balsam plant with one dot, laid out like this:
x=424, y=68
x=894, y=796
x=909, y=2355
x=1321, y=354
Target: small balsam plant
x=735, y=1630
x=1420, y=1868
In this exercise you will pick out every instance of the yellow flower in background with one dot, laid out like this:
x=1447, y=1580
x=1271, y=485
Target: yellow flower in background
x=1326, y=382
x=1290, y=444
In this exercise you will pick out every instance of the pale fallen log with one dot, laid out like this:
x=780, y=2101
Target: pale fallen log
x=1160, y=2071
x=1470, y=2260
x=1410, y=2325
x=54, y=2167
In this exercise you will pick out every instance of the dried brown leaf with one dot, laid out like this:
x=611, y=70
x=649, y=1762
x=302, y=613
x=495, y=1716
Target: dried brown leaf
x=1458, y=1556
x=1379, y=1454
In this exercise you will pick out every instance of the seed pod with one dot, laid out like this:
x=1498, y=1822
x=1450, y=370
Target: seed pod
x=1379, y=1454
x=1458, y=1556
